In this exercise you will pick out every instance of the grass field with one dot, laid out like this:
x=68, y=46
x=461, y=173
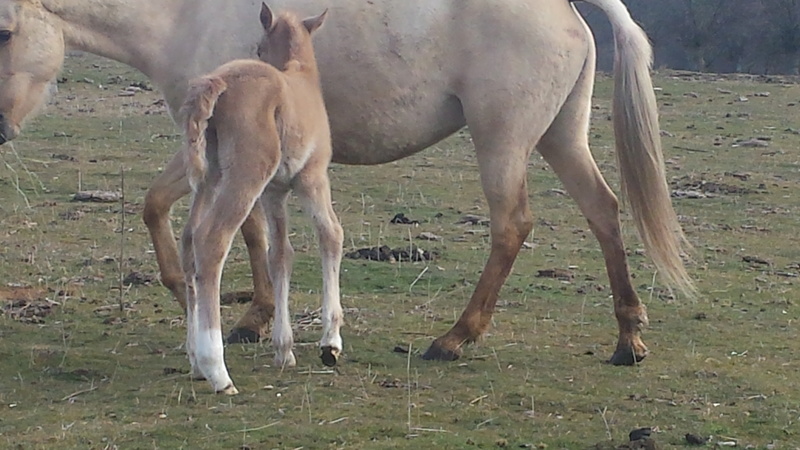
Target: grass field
x=78, y=371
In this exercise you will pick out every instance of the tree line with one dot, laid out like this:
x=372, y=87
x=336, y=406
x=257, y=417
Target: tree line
x=752, y=36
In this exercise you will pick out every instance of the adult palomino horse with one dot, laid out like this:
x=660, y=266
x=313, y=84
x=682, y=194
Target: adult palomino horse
x=397, y=77
x=252, y=128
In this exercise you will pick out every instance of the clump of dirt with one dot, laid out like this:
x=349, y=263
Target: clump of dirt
x=561, y=274
x=26, y=304
x=401, y=218
x=136, y=278
x=97, y=196
x=386, y=253
x=691, y=187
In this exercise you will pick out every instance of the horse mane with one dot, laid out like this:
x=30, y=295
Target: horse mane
x=107, y=18
x=295, y=26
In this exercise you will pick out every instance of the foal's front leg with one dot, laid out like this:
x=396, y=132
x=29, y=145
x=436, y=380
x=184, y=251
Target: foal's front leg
x=314, y=189
x=280, y=257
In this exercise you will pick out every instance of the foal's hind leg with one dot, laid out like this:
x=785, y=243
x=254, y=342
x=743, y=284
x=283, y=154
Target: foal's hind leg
x=280, y=256
x=200, y=201
x=565, y=147
x=314, y=188
x=236, y=193
x=166, y=189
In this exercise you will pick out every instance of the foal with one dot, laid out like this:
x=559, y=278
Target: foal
x=255, y=129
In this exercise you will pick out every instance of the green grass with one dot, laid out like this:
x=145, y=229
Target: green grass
x=90, y=376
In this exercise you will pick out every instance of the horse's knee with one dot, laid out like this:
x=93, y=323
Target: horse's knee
x=334, y=239
x=155, y=207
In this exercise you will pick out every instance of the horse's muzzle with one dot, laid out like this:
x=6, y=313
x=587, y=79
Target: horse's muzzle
x=8, y=130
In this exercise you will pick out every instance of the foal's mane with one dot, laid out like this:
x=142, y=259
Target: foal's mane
x=299, y=37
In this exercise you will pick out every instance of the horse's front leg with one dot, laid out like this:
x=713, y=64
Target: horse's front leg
x=166, y=189
x=314, y=188
x=280, y=258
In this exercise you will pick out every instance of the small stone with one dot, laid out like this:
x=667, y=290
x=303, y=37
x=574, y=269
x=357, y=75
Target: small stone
x=693, y=439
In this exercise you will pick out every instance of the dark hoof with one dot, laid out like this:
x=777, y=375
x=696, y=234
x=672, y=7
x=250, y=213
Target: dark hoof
x=329, y=356
x=243, y=336
x=626, y=357
x=438, y=353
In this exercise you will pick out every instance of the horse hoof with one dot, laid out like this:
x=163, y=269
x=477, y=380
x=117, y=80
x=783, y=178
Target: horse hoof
x=230, y=390
x=329, y=356
x=243, y=336
x=438, y=353
x=627, y=357
x=285, y=361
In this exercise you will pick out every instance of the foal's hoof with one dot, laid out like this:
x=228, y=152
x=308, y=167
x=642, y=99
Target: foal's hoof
x=243, y=336
x=436, y=352
x=230, y=390
x=329, y=355
x=627, y=356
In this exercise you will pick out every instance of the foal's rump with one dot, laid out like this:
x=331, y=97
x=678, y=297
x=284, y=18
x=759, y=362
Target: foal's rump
x=239, y=94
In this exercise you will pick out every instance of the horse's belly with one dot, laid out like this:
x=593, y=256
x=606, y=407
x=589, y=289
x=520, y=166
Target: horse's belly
x=375, y=129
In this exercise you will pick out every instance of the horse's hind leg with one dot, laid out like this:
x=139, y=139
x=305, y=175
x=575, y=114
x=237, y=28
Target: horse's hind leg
x=314, y=189
x=565, y=147
x=503, y=140
x=252, y=326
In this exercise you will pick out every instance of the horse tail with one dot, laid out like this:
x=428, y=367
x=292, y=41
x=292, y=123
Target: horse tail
x=197, y=109
x=636, y=131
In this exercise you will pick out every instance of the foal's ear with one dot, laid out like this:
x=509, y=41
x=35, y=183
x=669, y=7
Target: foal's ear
x=266, y=17
x=312, y=24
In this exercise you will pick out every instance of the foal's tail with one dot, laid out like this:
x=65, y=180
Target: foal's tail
x=636, y=131
x=196, y=110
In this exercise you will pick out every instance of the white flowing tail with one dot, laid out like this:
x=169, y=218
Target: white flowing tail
x=638, y=142
x=197, y=109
